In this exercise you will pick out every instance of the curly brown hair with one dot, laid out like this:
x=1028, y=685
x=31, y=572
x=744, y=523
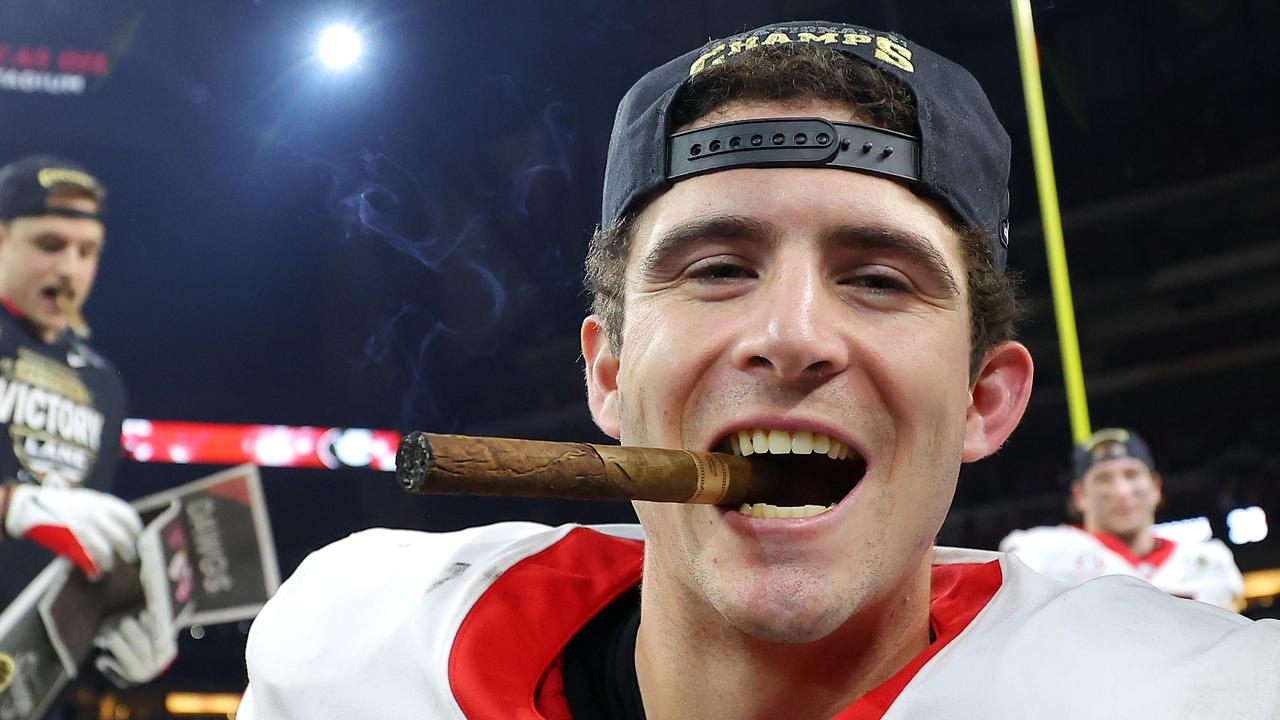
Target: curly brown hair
x=874, y=97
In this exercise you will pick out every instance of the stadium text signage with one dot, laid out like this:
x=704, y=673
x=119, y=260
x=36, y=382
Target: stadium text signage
x=47, y=70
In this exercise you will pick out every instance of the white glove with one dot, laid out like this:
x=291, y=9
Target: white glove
x=136, y=648
x=91, y=528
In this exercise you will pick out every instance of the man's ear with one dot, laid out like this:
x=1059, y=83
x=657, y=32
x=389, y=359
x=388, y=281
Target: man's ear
x=1077, y=497
x=998, y=399
x=602, y=378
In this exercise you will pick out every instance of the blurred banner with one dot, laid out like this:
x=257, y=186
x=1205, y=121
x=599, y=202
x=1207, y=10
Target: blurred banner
x=206, y=557
x=49, y=69
x=262, y=445
x=68, y=49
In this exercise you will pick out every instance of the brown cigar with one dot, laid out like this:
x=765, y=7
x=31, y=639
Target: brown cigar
x=66, y=303
x=460, y=464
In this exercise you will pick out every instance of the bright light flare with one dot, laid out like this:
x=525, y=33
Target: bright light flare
x=1247, y=525
x=339, y=47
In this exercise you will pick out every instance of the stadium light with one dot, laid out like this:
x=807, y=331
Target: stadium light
x=339, y=47
x=1247, y=525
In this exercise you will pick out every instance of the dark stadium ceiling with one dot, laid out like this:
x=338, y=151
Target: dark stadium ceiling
x=247, y=281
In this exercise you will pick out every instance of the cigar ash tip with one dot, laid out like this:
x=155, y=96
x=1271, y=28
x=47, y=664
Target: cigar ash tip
x=413, y=459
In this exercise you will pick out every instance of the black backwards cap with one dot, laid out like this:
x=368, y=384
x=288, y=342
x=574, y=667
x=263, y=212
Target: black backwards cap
x=961, y=157
x=1109, y=444
x=25, y=186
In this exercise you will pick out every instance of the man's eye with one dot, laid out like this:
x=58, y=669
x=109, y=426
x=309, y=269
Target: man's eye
x=880, y=282
x=720, y=271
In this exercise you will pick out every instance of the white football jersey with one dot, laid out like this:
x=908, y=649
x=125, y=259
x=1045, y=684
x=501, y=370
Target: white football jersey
x=1204, y=571
x=391, y=624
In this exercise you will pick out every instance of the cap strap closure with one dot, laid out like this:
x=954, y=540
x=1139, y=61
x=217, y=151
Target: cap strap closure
x=69, y=213
x=793, y=142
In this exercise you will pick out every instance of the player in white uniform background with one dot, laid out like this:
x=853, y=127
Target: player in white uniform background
x=1115, y=490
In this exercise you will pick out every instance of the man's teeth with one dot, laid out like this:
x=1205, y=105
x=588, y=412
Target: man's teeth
x=765, y=510
x=781, y=442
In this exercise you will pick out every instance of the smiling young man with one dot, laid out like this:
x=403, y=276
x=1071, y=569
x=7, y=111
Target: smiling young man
x=801, y=254
x=61, y=405
x=1115, y=491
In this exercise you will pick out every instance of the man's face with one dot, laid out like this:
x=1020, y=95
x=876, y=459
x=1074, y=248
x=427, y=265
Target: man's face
x=1118, y=496
x=37, y=254
x=816, y=306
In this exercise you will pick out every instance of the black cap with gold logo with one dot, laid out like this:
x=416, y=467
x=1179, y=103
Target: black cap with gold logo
x=26, y=184
x=960, y=156
x=1108, y=444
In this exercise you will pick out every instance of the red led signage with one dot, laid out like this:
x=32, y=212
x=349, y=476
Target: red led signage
x=48, y=70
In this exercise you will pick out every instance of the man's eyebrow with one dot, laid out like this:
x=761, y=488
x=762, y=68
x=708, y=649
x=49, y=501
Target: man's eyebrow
x=676, y=240
x=913, y=245
x=64, y=239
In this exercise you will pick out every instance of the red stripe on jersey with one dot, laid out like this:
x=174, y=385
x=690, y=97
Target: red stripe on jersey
x=957, y=595
x=505, y=661
x=11, y=308
x=507, y=657
x=1161, y=552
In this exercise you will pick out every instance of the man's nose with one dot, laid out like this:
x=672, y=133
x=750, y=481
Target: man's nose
x=794, y=332
x=1123, y=489
x=70, y=263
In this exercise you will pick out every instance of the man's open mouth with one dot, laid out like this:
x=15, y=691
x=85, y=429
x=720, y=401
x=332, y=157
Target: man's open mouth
x=819, y=471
